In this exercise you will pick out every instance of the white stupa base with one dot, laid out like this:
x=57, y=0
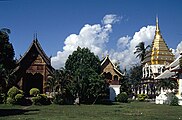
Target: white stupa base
x=161, y=99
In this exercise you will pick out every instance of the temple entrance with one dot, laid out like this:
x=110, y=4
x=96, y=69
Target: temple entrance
x=32, y=81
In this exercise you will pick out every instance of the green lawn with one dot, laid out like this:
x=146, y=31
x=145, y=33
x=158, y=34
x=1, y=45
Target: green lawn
x=130, y=111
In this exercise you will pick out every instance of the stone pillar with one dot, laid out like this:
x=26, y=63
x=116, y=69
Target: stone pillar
x=142, y=90
x=143, y=72
x=138, y=90
x=149, y=71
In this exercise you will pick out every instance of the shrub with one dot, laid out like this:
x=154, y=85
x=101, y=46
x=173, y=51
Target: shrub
x=142, y=97
x=36, y=100
x=11, y=100
x=58, y=99
x=44, y=100
x=19, y=98
x=41, y=100
x=34, y=91
x=13, y=92
x=122, y=97
x=15, y=96
x=172, y=99
x=21, y=92
x=2, y=98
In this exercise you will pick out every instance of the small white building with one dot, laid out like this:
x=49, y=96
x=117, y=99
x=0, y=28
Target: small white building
x=112, y=75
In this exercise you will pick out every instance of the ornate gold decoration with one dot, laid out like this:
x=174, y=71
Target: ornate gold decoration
x=159, y=52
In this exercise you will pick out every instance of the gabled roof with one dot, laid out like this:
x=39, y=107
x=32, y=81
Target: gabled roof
x=34, y=47
x=35, y=44
x=107, y=58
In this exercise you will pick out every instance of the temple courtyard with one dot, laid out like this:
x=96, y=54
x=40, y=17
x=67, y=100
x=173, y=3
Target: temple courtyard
x=118, y=111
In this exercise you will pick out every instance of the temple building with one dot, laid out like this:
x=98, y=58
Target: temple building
x=112, y=76
x=155, y=61
x=33, y=69
x=172, y=72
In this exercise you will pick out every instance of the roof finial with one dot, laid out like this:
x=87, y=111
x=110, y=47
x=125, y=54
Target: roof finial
x=157, y=24
x=103, y=56
x=35, y=36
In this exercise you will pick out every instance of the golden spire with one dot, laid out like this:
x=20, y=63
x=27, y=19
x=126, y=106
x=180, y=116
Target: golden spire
x=157, y=24
x=157, y=31
x=159, y=52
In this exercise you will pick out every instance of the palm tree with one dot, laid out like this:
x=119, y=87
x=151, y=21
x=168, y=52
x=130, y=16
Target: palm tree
x=58, y=81
x=65, y=79
x=141, y=50
x=4, y=32
x=52, y=82
x=167, y=84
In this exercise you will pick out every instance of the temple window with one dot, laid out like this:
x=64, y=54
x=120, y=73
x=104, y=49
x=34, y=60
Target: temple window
x=108, y=76
x=116, y=78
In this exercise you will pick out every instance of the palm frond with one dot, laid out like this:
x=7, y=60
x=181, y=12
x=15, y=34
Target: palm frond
x=5, y=30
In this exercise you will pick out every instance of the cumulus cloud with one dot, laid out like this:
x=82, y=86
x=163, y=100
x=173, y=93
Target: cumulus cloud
x=178, y=50
x=94, y=37
x=126, y=46
x=123, y=42
x=111, y=19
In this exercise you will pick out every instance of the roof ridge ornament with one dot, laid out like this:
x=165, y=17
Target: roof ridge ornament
x=35, y=37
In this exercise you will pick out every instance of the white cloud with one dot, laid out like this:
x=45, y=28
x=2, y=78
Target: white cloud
x=123, y=42
x=111, y=19
x=178, y=49
x=126, y=57
x=94, y=37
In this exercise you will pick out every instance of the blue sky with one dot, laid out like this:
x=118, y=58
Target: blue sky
x=55, y=20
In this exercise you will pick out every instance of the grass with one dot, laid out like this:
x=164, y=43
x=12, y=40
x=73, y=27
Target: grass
x=129, y=111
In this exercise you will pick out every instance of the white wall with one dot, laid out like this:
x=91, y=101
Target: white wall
x=114, y=91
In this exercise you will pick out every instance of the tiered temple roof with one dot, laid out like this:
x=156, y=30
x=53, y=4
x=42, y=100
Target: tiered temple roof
x=159, y=52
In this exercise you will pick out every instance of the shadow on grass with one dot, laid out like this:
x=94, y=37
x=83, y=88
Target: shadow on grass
x=9, y=112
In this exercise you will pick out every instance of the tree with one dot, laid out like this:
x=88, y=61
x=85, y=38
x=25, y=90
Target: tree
x=167, y=83
x=135, y=76
x=52, y=82
x=125, y=83
x=3, y=82
x=7, y=62
x=58, y=81
x=84, y=66
x=65, y=79
x=6, y=50
x=7, y=79
x=141, y=50
x=82, y=58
